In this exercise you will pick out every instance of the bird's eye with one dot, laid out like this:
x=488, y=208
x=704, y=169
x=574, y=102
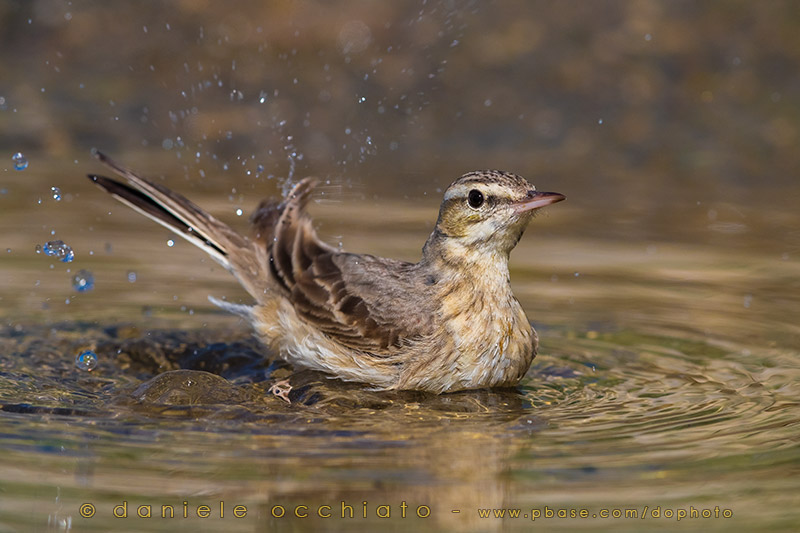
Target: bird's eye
x=475, y=198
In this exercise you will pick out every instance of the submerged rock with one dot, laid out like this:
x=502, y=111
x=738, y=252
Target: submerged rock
x=187, y=387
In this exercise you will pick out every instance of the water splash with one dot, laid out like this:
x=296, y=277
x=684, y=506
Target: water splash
x=292, y=163
x=83, y=281
x=59, y=249
x=20, y=163
x=86, y=360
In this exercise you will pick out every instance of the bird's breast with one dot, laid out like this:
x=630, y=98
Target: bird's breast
x=492, y=340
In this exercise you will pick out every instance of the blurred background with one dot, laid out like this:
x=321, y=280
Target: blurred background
x=654, y=118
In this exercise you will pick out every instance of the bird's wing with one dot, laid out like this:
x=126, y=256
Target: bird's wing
x=363, y=302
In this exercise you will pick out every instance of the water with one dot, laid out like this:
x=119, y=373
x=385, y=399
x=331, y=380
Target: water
x=83, y=281
x=20, y=162
x=86, y=360
x=665, y=289
x=654, y=377
x=60, y=250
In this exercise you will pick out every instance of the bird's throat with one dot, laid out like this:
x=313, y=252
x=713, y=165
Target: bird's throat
x=478, y=265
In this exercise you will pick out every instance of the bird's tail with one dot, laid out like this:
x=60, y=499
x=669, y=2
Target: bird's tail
x=238, y=254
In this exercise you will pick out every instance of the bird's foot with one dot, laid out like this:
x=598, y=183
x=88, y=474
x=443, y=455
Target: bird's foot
x=281, y=389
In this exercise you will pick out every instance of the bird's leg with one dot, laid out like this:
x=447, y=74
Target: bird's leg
x=281, y=389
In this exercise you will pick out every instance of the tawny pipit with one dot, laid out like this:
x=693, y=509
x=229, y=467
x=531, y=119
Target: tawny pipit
x=446, y=323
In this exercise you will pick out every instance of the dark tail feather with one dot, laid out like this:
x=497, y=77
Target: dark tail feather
x=154, y=211
x=174, y=212
x=246, y=259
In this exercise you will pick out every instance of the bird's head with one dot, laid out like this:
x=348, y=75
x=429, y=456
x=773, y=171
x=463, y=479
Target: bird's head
x=487, y=211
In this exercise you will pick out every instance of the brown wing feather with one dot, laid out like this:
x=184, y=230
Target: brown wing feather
x=346, y=296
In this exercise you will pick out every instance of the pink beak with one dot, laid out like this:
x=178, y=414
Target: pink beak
x=536, y=199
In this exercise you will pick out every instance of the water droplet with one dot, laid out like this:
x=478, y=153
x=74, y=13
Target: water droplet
x=38, y=248
x=132, y=276
x=362, y=99
x=167, y=144
x=577, y=274
x=56, y=193
x=600, y=121
x=83, y=281
x=60, y=250
x=20, y=163
x=86, y=360
x=260, y=169
x=239, y=212
x=748, y=300
x=170, y=243
x=487, y=102
x=262, y=97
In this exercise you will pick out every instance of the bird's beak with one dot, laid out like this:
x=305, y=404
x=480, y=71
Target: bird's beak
x=537, y=199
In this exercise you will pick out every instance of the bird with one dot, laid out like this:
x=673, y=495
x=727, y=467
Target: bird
x=446, y=323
